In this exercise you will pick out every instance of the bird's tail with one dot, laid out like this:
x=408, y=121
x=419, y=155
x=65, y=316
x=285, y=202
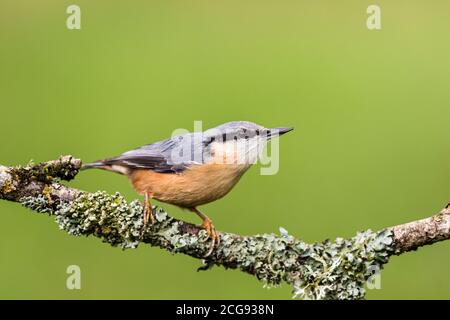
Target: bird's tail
x=108, y=165
x=93, y=165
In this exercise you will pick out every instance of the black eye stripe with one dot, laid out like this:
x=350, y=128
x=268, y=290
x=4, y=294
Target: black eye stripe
x=242, y=133
x=208, y=142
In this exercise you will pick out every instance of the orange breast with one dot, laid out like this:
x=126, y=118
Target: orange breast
x=195, y=186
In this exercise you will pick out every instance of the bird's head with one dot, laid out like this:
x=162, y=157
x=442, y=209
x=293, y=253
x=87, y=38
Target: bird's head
x=239, y=141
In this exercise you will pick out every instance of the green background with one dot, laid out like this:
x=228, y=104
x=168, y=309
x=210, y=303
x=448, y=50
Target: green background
x=370, y=149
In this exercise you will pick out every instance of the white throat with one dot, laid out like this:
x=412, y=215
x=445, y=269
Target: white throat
x=240, y=152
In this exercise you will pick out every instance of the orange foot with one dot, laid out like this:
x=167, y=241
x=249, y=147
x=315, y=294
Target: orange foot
x=148, y=214
x=213, y=234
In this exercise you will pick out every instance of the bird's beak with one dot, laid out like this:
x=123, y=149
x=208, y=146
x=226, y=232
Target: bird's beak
x=280, y=131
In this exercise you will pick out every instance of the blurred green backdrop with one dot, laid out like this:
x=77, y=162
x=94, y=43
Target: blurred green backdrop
x=371, y=146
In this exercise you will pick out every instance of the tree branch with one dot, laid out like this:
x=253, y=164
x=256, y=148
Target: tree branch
x=327, y=270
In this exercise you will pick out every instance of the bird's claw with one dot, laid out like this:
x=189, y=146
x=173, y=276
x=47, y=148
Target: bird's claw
x=148, y=217
x=213, y=234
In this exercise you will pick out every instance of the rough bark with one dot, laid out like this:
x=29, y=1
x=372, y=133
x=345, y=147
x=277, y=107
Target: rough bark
x=415, y=234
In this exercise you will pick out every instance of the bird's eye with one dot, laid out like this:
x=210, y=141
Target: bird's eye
x=257, y=132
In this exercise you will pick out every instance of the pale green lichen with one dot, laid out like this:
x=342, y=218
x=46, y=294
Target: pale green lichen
x=111, y=218
x=107, y=216
x=339, y=269
x=327, y=270
x=39, y=204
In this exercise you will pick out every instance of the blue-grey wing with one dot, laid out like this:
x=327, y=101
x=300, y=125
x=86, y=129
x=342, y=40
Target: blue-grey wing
x=168, y=156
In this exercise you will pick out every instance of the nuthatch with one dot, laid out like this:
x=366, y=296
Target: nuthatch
x=192, y=169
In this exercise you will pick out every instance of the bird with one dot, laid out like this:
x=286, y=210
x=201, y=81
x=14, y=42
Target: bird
x=192, y=169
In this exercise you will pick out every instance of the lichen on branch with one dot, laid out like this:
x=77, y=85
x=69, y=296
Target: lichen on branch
x=327, y=270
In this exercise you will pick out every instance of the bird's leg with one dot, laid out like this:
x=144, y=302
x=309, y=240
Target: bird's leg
x=210, y=229
x=148, y=210
x=148, y=213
